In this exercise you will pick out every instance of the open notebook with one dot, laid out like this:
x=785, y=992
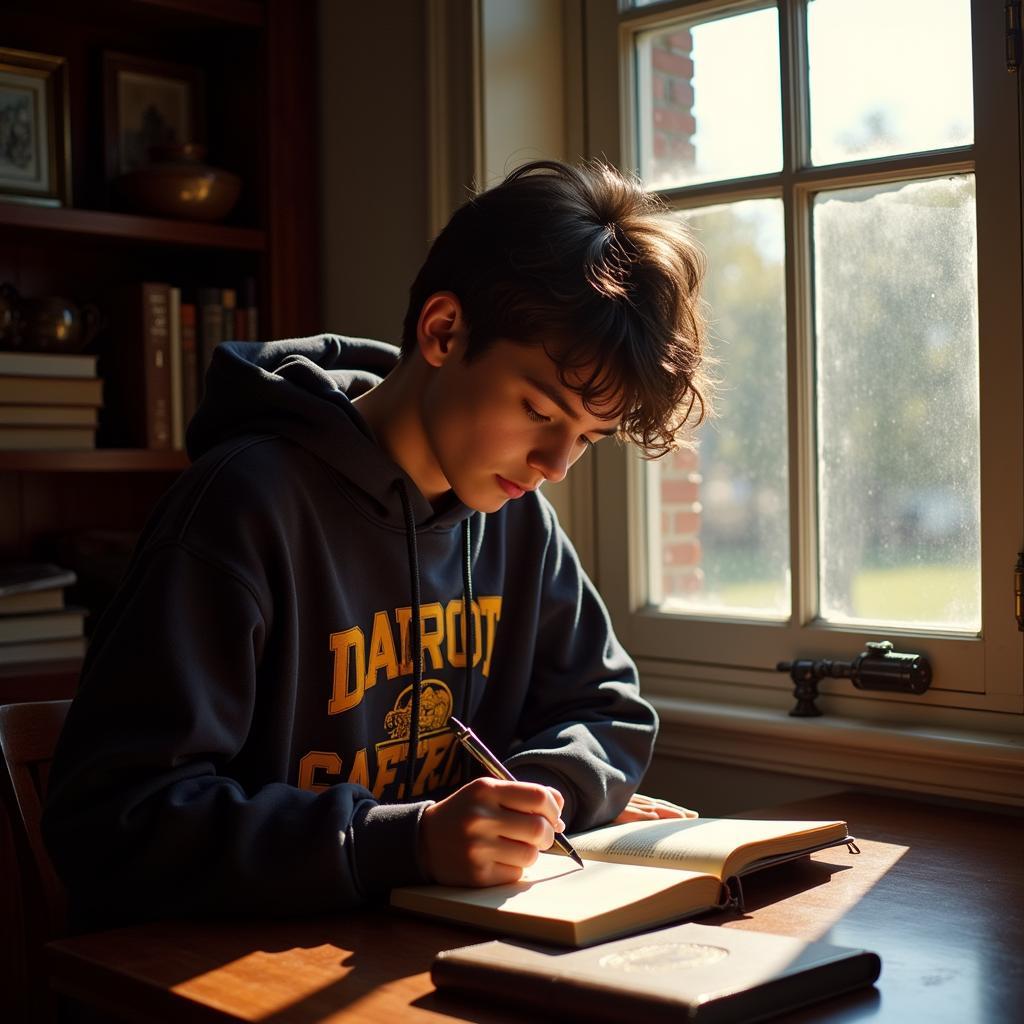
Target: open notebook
x=637, y=876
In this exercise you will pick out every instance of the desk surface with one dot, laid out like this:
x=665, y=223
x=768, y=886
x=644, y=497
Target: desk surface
x=937, y=892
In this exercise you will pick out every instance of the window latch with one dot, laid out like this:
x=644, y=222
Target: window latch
x=1018, y=590
x=1013, y=35
x=878, y=667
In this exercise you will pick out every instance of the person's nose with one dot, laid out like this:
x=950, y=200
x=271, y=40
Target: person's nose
x=552, y=461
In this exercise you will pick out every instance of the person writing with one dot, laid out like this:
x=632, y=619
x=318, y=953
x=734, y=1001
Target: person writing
x=360, y=551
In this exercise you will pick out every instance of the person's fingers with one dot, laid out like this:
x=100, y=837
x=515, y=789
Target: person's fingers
x=532, y=829
x=495, y=873
x=512, y=853
x=673, y=812
x=530, y=798
x=645, y=808
x=664, y=808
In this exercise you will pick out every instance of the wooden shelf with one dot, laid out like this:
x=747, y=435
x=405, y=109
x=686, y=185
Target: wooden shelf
x=248, y=13
x=100, y=460
x=169, y=14
x=131, y=228
x=39, y=680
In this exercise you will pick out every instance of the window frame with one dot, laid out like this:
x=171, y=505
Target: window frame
x=704, y=655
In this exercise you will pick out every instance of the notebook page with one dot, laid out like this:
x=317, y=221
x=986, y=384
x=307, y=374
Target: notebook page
x=555, y=887
x=703, y=844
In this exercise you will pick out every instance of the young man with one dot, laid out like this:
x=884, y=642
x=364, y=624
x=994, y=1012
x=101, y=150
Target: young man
x=253, y=730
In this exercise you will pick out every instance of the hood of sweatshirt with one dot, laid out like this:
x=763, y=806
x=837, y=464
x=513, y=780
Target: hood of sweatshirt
x=303, y=389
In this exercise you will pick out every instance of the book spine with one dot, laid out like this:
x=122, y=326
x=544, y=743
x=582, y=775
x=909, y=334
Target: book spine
x=250, y=309
x=584, y=1000
x=47, y=364
x=189, y=363
x=177, y=398
x=229, y=303
x=45, y=391
x=41, y=438
x=210, y=325
x=48, y=415
x=156, y=301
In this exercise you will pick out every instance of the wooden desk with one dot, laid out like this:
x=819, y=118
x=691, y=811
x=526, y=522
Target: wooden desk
x=937, y=892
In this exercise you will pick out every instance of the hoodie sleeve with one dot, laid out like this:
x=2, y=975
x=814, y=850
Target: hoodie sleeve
x=142, y=817
x=585, y=729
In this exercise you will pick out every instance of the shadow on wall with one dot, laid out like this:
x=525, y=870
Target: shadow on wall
x=717, y=790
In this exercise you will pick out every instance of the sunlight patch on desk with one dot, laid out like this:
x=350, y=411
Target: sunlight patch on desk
x=813, y=909
x=262, y=983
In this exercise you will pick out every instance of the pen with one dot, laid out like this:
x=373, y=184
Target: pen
x=475, y=746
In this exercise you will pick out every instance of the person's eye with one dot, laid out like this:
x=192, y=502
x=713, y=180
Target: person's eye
x=533, y=414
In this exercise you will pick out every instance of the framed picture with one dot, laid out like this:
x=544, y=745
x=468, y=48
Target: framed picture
x=148, y=103
x=35, y=136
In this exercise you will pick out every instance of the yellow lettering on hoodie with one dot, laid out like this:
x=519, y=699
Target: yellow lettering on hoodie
x=389, y=757
x=456, y=633
x=403, y=616
x=382, y=650
x=319, y=760
x=360, y=773
x=349, y=647
x=431, y=639
x=490, y=608
x=429, y=776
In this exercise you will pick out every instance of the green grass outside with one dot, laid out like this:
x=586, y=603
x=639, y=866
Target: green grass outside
x=935, y=594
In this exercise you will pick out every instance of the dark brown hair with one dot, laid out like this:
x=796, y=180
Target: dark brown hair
x=587, y=263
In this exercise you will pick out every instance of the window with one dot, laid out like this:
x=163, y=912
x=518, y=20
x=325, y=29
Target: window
x=853, y=171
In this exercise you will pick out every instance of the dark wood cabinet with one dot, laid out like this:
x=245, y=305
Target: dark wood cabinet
x=258, y=62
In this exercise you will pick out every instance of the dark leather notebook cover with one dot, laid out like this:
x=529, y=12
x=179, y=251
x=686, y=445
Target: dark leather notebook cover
x=689, y=972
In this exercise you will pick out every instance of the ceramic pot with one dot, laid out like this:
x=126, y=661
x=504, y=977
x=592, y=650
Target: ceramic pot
x=10, y=316
x=178, y=184
x=53, y=324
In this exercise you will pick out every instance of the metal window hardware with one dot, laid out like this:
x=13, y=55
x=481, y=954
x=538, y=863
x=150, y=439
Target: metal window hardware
x=1013, y=35
x=878, y=667
x=1018, y=590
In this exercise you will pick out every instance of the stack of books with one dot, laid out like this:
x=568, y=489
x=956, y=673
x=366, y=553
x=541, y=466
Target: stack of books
x=35, y=625
x=49, y=401
x=161, y=343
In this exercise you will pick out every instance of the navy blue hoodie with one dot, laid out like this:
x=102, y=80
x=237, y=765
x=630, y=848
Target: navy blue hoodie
x=240, y=739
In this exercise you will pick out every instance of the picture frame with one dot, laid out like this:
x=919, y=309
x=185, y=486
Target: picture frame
x=35, y=130
x=148, y=102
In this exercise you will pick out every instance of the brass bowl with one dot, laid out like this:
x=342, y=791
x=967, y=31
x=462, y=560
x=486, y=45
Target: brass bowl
x=186, y=190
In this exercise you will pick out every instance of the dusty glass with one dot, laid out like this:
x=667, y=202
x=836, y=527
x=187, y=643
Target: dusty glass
x=718, y=518
x=898, y=444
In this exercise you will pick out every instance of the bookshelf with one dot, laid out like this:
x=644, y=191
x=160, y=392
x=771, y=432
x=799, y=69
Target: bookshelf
x=257, y=59
x=100, y=225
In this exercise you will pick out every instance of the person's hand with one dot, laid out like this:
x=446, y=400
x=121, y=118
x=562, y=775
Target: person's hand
x=489, y=830
x=648, y=808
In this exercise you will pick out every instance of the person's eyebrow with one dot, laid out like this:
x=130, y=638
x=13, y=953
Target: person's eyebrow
x=559, y=399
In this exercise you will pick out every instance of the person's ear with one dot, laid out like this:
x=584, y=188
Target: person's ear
x=441, y=331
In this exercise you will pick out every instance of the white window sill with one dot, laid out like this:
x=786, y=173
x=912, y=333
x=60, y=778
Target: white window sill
x=945, y=762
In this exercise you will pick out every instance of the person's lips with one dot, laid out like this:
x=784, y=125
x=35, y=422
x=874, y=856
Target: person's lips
x=511, y=489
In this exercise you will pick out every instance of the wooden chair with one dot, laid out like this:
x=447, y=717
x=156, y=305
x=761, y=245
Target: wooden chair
x=28, y=736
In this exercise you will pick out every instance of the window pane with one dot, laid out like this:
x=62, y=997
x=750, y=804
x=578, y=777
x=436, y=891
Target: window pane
x=719, y=518
x=708, y=102
x=888, y=77
x=898, y=437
